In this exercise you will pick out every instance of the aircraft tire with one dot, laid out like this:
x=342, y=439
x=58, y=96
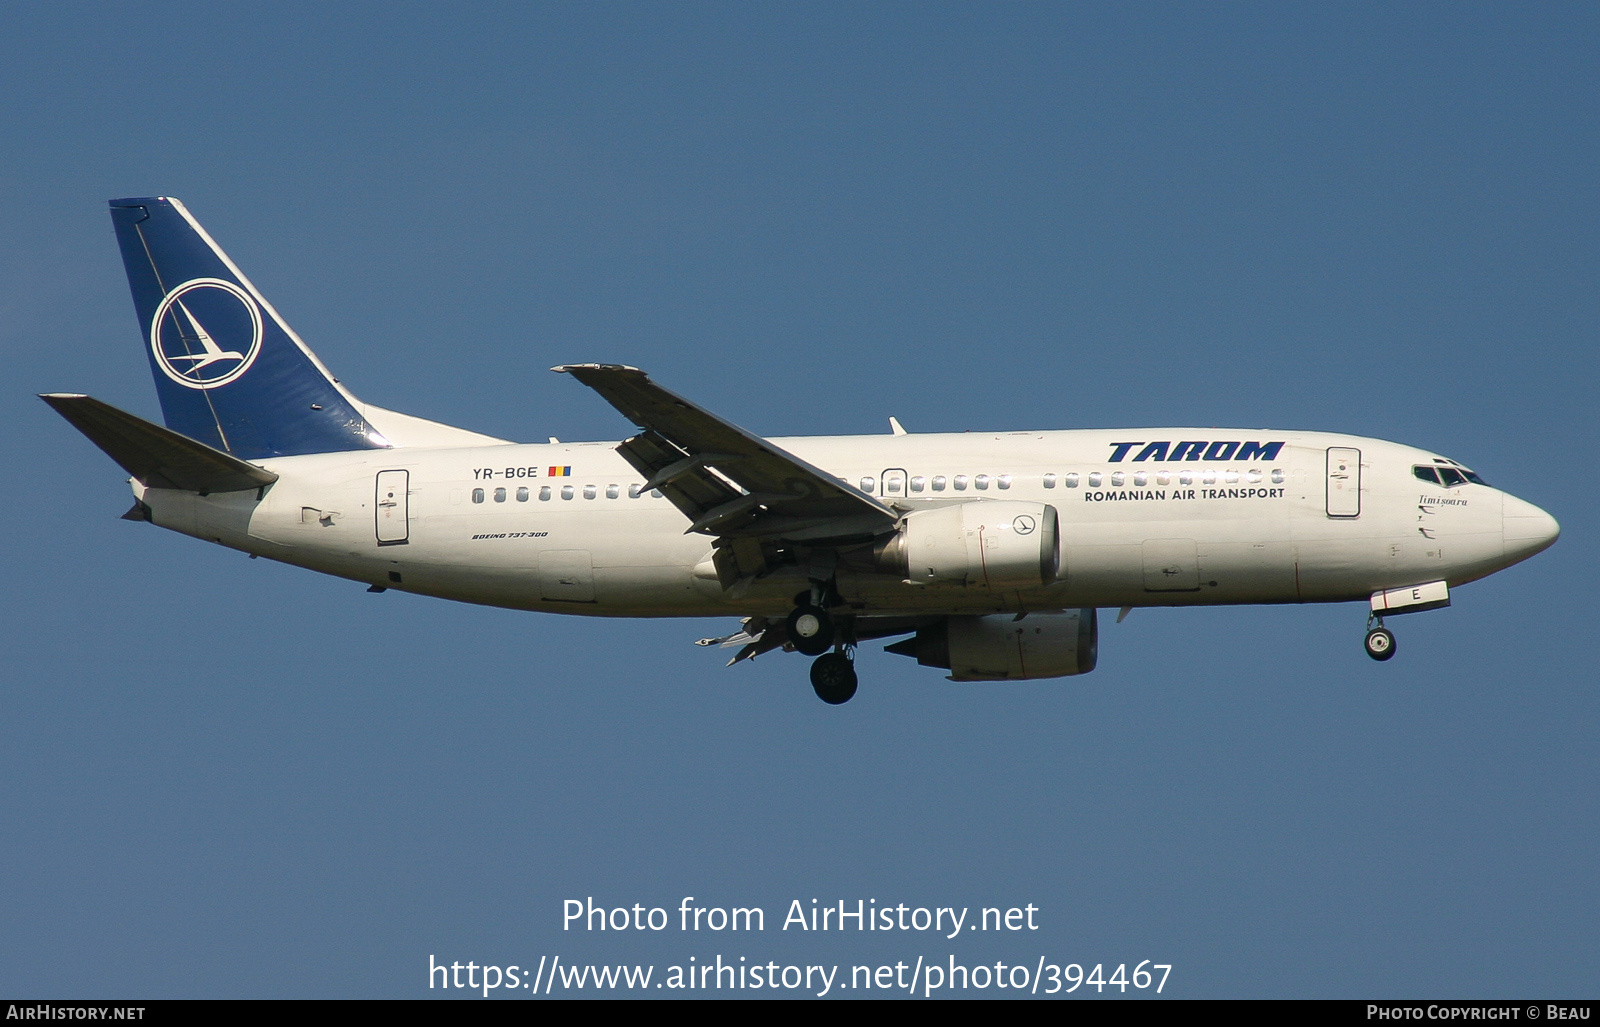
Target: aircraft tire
x=810, y=629
x=1380, y=644
x=833, y=678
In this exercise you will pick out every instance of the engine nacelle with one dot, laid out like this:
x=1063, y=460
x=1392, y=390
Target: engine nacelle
x=998, y=647
x=997, y=544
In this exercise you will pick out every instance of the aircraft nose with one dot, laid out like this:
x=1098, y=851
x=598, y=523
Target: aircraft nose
x=1525, y=528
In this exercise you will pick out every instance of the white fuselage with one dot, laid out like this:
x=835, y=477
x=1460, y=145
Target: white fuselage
x=491, y=524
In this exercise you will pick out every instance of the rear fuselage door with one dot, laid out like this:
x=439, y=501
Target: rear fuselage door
x=566, y=575
x=393, y=508
x=1344, y=482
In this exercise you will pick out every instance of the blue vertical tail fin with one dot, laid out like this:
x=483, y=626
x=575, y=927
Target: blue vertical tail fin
x=229, y=370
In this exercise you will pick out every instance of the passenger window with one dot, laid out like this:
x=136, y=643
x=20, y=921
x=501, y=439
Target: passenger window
x=1253, y=475
x=1208, y=478
x=867, y=484
x=1231, y=477
x=1427, y=474
x=1117, y=479
x=477, y=495
x=566, y=492
x=499, y=495
x=1141, y=478
x=1049, y=481
x=1094, y=479
x=938, y=483
x=1072, y=480
x=612, y=491
x=522, y=494
x=655, y=493
x=633, y=491
x=590, y=491
x=1185, y=477
x=981, y=481
x=961, y=483
x=1277, y=476
x=917, y=483
x=1004, y=481
x=1452, y=477
x=544, y=493
x=1163, y=477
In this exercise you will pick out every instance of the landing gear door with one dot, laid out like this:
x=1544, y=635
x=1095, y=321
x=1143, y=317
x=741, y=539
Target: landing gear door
x=393, y=508
x=894, y=482
x=1344, y=482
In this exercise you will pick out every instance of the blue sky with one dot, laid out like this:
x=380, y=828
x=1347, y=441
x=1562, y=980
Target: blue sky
x=226, y=777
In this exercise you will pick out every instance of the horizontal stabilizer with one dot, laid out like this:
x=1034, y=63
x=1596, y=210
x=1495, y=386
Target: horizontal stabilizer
x=157, y=456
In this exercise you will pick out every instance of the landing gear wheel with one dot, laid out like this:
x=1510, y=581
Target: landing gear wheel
x=833, y=677
x=811, y=630
x=1380, y=643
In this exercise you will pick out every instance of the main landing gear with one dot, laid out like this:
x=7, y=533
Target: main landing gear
x=811, y=630
x=833, y=678
x=1380, y=644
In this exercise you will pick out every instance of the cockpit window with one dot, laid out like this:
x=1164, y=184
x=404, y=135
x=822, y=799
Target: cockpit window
x=1465, y=472
x=1447, y=473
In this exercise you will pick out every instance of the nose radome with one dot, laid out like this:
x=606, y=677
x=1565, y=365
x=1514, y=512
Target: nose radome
x=1525, y=528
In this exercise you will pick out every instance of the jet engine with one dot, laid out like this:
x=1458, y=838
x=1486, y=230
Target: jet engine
x=997, y=544
x=999, y=647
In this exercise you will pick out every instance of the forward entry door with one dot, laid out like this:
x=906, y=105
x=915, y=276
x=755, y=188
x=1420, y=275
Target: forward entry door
x=1344, y=482
x=393, y=508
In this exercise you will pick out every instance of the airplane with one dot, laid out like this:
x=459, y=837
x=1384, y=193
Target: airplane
x=988, y=554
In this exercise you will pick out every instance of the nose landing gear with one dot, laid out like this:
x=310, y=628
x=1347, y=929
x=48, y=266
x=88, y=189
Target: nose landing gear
x=1380, y=644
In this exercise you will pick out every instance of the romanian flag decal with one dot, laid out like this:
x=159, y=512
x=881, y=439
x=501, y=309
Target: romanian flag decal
x=560, y=472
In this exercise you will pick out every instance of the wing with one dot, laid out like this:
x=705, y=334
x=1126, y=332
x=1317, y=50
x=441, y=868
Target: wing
x=728, y=482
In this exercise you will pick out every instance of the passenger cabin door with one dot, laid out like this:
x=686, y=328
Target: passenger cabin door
x=393, y=508
x=1344, y=482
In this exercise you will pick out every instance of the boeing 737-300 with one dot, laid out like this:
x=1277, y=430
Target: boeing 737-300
x=988, y=555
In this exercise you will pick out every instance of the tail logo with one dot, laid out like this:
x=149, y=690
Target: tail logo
x=206, y=333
